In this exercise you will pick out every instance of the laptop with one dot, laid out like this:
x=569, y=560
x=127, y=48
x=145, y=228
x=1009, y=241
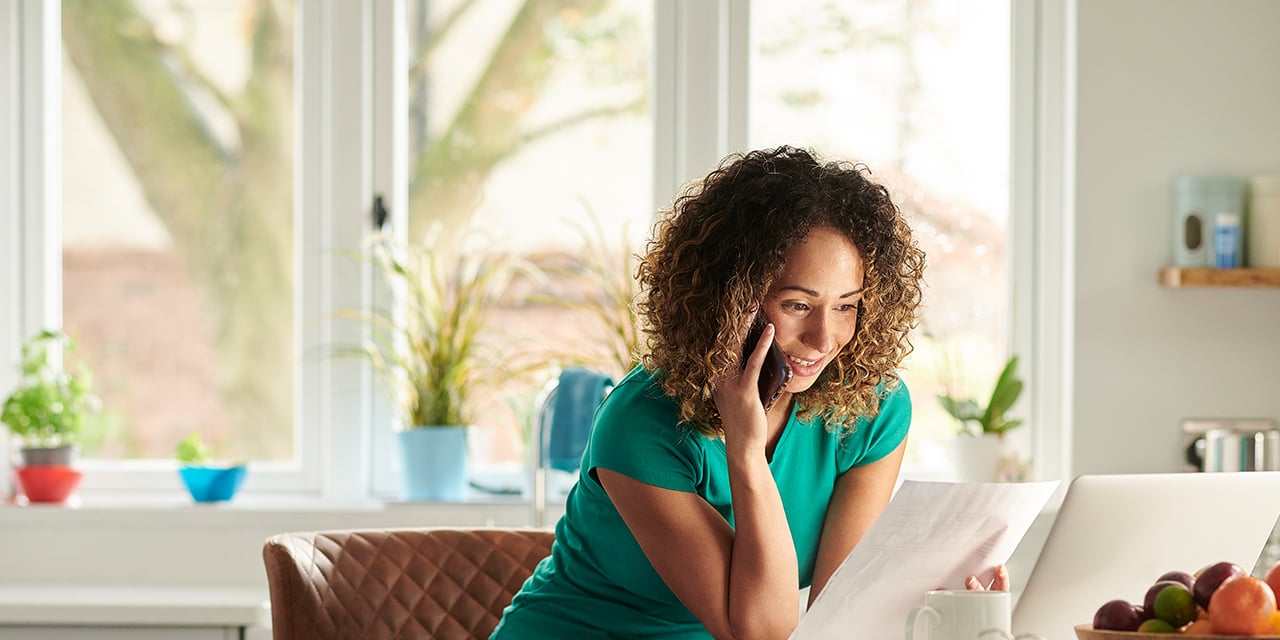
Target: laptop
x=1115, y=534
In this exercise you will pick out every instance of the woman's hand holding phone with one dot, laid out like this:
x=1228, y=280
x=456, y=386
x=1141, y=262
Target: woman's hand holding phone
x=775, y=373
x=763, y=373
x=737, y=398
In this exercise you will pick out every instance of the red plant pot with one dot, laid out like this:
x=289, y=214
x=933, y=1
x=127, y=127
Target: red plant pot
x=48, y=482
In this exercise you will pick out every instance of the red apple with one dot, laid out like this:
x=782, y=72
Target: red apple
x=1210, y=577
x=1273, y=578
x=1180, y=576
x=1118, y=615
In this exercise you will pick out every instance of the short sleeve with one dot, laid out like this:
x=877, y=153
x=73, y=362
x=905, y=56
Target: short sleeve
x=877, y=438
x=636, y=434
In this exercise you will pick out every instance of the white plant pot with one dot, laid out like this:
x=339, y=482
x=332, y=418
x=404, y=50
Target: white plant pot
x=433, y=463
x=975, y=459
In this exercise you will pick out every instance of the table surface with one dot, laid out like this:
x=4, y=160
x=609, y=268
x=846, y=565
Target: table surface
x=127, y=606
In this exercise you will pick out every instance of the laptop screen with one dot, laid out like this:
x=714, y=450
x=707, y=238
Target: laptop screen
x=1115, y=534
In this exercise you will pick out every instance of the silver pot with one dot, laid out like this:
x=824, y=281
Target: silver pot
x=61, y=455
x=1236, y=449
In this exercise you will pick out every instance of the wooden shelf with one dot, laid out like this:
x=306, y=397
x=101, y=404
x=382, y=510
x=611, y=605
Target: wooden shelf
x=1201, y=277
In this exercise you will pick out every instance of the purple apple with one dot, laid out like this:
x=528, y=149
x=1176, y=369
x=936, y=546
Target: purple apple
x=1180, y=576
x=1118, y=615
x=1209, y=578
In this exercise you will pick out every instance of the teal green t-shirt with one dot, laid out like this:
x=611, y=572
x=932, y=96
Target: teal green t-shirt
x=597, y=582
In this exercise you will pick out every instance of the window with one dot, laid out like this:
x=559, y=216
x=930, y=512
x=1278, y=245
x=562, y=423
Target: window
x=918, y=90
x=528, y=130
x=163, y=234
x=177, y=234
x=531, y=123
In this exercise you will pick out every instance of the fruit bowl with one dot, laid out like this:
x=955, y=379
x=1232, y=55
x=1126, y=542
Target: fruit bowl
x=1087, y=632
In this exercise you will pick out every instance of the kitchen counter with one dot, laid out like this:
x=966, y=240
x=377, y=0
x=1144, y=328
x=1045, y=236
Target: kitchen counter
x=34, y=612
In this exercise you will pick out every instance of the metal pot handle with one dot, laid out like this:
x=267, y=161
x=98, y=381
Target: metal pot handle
x=1195, y=453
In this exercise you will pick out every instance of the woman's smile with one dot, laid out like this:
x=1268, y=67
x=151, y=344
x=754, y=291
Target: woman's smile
x=806, y=368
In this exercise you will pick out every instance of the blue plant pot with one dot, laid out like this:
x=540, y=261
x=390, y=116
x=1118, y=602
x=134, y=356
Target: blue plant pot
x=433, y=463
x=212, y=484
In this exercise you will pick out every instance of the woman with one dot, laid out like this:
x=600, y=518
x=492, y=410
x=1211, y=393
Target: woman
x=698, y=512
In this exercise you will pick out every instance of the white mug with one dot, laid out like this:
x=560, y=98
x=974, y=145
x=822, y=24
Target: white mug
x=964, y=615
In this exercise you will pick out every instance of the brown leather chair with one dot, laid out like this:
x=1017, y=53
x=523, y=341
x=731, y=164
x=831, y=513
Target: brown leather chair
x=397, y=583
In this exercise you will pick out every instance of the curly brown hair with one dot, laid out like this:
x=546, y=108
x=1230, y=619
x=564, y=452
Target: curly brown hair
x=714, y=255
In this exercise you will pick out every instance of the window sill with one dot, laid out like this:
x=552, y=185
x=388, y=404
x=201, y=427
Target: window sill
x=479, y=509
x=122, y=541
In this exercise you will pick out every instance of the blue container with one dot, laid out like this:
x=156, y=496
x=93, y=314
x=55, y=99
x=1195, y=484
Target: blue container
x=212, y=484
x=433, y=463
x=1227, y=243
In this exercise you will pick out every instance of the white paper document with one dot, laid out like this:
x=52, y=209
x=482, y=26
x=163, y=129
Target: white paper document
x=931, y=535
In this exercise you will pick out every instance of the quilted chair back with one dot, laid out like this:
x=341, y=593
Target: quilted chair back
x=380, y=584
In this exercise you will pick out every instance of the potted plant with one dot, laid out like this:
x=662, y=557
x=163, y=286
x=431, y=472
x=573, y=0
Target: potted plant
x=598, y=282
x=429, y=353
x=46, y=412
x=206, y=480
x=978, y=446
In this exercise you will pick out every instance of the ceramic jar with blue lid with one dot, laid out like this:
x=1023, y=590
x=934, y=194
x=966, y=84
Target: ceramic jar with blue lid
x=1197, y=203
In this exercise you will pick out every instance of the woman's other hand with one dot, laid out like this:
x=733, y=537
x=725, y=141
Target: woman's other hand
x=999, y=583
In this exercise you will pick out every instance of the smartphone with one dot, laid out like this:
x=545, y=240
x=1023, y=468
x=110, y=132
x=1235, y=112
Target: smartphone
x=775, y=373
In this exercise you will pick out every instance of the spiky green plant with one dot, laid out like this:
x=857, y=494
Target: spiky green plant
x=427, y=348
x=606, y=281
x=975, y=419
x=48, y=407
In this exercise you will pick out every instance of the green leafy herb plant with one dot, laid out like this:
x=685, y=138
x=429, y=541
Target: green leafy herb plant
x=50, y=403
x=207, y=480
x=192, y=451
x=976, y=419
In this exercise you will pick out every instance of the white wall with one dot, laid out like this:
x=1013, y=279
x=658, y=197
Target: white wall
x=1166, y=86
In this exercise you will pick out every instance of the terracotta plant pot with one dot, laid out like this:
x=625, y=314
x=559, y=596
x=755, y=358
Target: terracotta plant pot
x=48, y=483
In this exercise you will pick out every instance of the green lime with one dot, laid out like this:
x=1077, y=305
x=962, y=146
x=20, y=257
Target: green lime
x=1175, y=605
x=1156, y=625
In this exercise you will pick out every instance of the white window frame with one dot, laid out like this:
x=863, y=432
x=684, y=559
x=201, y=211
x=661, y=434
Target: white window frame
x=30, y=264
x=1042, y=222
x=700, y=88
x=348, y=124
x=336, y=185
x=390, y=50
